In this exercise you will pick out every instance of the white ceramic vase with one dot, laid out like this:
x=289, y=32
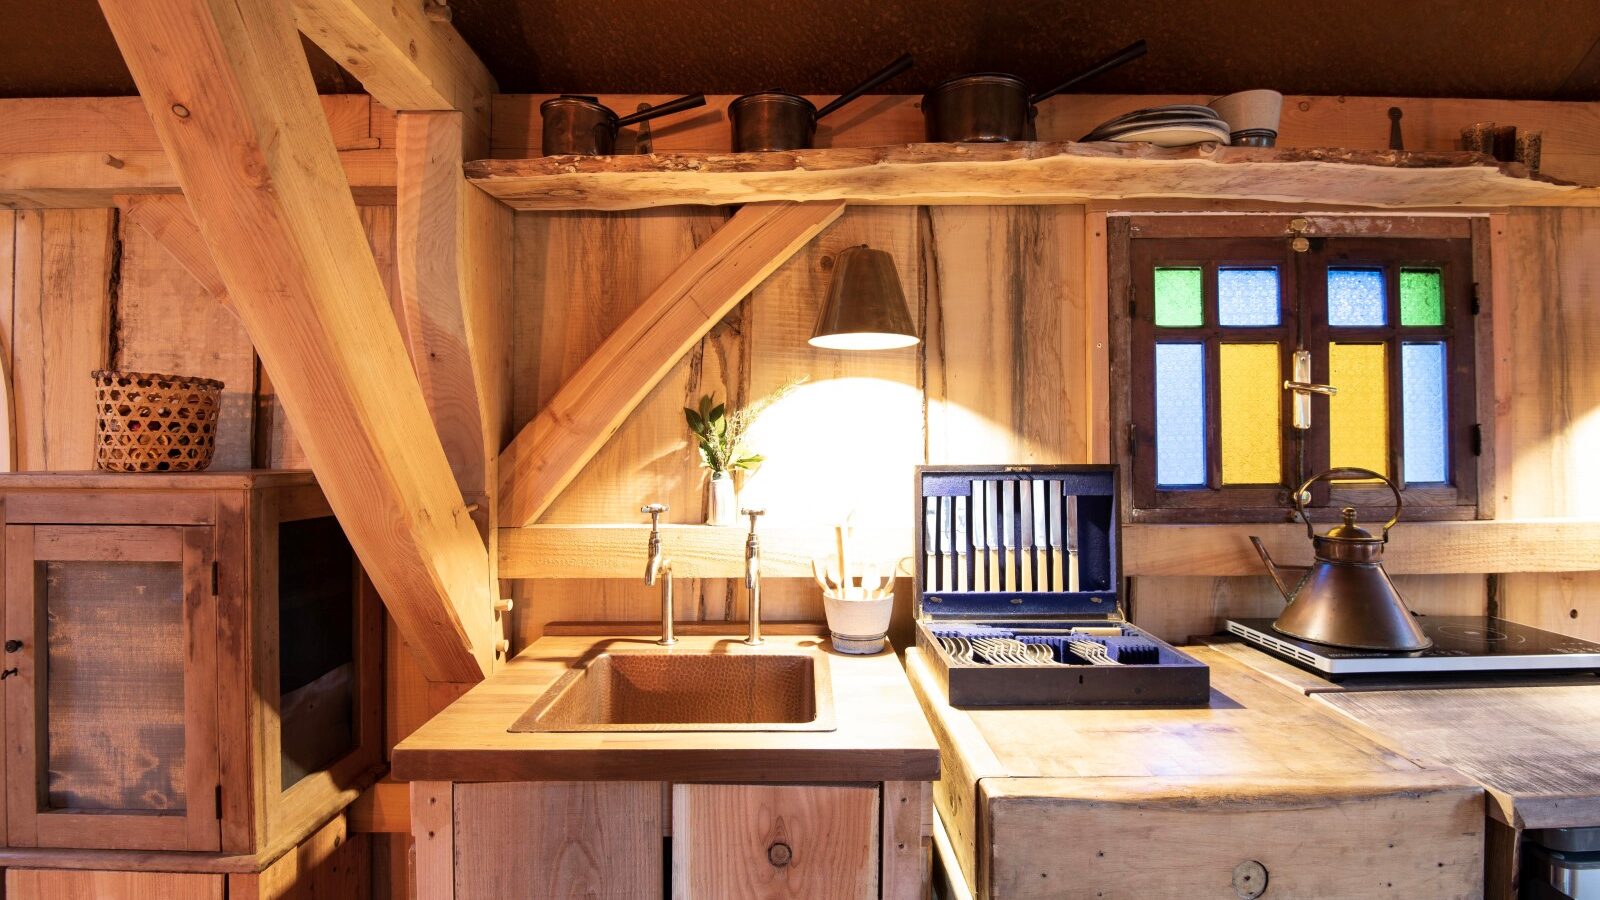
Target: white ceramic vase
x=857, y=626
x=722, y=505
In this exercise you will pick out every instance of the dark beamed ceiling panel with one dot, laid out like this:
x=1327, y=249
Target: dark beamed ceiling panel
x=1532, y=49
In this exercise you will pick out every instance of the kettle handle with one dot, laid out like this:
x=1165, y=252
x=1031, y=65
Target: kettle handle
x=1301, y=496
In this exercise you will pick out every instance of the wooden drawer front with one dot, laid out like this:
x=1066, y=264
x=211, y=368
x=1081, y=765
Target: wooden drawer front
x=63, y=884
x=772, y=841
x=557, y=839
x=1049, y=837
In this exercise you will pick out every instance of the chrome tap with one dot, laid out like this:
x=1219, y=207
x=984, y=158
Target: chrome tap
x=752, y=575
x=657, y=567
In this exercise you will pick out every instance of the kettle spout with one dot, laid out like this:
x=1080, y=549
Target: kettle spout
x=1281, y=574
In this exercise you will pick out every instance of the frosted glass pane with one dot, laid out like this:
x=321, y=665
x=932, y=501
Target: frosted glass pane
x=1355, y=297
x=1247, y=297
x=1252, y=403
x=1178, y=302
x=1358, y=416
x=1421, y=297
x=1180, y=414
x=1423, y=413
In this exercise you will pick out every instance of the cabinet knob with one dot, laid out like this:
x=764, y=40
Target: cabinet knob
x=1249, y=879
x=13, y=645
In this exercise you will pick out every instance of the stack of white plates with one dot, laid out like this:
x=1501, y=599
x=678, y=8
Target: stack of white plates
x=1165, y=126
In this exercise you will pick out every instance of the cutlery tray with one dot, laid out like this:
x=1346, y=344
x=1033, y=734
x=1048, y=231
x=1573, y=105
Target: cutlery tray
x=1012, y=559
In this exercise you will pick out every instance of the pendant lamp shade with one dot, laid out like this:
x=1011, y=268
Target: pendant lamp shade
x=866, y=308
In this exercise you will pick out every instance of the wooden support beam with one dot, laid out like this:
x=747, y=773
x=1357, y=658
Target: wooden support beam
x=404, y=59
x=550, y=451
x=1419, y=548
x=167, y=219
x=431, y=256
x=697, y=551
x=229, y=90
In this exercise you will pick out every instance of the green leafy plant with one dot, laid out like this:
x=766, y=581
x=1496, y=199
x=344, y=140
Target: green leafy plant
x=721, y=436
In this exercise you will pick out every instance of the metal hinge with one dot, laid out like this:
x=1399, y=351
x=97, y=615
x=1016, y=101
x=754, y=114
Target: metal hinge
x=216, y=576
x=1133, y=303
x=1477, y=302
x=219, y=801
x=1477, y=439
x=1133, y=439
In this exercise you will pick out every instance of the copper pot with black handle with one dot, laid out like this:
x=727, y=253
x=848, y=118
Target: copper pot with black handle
x=991, y=107
x=582, y=126
x=779, y=120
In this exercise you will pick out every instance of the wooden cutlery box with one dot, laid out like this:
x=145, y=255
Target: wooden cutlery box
x=1013, y=557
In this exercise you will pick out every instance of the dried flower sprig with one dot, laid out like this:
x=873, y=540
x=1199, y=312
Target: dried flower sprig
x=721, y=436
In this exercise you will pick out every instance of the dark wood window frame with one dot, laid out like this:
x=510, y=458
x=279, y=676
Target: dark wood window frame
x=1458, y=245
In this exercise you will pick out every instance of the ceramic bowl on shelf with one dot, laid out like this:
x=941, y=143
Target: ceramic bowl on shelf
x=1252, y=116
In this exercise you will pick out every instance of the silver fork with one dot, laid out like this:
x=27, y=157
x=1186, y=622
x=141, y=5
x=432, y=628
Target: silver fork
x=1092, y=652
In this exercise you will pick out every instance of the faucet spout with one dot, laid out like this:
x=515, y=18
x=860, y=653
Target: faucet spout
x=658, y=568
x=752, y=576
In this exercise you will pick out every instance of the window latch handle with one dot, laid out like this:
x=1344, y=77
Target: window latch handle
x=1301, y=387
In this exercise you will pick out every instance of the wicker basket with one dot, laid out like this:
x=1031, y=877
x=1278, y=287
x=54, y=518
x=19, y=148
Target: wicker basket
x=155, y=423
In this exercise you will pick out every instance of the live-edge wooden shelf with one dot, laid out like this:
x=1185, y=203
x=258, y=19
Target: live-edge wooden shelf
x=1025, y=172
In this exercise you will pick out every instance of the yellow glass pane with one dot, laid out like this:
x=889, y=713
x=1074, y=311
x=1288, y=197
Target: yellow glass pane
x=1252, y=403
x=1358, y=416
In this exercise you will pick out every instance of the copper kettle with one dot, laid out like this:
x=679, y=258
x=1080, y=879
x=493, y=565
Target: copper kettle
x=1345, y=598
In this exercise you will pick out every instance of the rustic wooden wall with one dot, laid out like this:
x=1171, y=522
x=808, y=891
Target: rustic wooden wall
x=1003, y=375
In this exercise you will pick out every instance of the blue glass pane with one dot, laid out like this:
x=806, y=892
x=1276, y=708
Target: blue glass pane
x=1355, y=297
x=1423, y=411
x=1180, y=414
x=1247, y=297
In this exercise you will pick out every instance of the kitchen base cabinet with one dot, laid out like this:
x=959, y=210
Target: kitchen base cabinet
x=609, y=839
x=1263, y=793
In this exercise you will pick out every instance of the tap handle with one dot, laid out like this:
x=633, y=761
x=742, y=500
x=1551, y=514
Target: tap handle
x=752, y=513
x=654, y=510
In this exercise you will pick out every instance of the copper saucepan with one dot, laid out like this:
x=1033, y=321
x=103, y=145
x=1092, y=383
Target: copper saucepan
x=779, y=120
x=579, y=125
x=990, y=107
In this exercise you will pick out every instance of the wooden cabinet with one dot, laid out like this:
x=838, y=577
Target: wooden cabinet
x=642, y=839
x=191, y=662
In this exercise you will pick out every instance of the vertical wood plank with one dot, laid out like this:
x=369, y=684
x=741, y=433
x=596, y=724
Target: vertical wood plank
x=8, y=413
x=61, y=330
x=200, y=725
x=23, y=690
x=775, y=841
x=167, y=321
x=907, y=839
x=1097, y=337
x=557, y=839
x=1005, y=324
x=433, y=829
x=240, y=575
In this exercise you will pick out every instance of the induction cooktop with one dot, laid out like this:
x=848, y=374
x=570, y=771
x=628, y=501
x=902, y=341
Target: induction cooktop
x=1460, y=644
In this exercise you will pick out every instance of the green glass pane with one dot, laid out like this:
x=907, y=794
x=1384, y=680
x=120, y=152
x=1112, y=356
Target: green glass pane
x=1178, y=298
x=1421, y=297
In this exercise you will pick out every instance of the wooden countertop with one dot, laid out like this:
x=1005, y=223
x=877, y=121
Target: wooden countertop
x=880, y=734
x=1534, y=747
x=1253, y=737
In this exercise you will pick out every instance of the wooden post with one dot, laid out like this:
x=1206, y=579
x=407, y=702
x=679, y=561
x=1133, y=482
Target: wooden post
x=231, y=96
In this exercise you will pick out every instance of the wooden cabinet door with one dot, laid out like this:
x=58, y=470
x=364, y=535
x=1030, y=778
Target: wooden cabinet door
x=775, y=841
x=111, y=698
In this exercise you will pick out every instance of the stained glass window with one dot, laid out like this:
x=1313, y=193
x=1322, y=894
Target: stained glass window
x=1180, y=414
x=1178, y=301
x=1358, y=416
x=1356, y=298
x=1247, y=297
x=1252, y=403
x=1421, y=297
x=1423, y=412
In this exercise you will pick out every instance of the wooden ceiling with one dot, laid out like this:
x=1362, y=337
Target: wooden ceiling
x=1519, y=49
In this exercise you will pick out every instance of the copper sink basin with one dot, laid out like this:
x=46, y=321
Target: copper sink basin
x=642, y=690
